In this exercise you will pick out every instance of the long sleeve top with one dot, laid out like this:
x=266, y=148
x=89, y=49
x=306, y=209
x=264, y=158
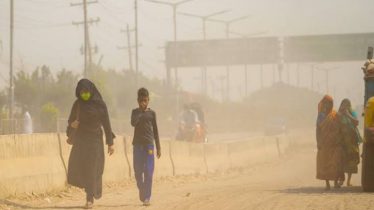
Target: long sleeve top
x=145, y=125
x=91, y=123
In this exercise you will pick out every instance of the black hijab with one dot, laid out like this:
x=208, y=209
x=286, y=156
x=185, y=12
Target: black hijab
x=95, y=104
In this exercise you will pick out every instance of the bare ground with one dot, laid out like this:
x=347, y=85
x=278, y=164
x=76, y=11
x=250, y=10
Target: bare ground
x=288, y=183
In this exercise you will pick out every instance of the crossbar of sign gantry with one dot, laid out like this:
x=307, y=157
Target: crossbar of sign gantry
x=222, y=52
x=327, y=48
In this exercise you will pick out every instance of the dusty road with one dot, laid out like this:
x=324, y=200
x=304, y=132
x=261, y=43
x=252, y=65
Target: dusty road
x=284, y=184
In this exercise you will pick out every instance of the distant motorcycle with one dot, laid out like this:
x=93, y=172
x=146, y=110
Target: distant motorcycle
x=196, y=132
x=192, y=133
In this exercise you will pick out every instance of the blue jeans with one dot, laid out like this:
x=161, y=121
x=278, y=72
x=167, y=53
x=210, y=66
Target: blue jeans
x=144, y=163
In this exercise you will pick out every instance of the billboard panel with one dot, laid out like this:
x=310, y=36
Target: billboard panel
x=222, y=52
x=327, y=48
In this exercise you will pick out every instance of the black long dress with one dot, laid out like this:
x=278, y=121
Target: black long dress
x=86, y=162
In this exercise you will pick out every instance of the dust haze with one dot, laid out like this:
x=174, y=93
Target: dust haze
x=237, y=59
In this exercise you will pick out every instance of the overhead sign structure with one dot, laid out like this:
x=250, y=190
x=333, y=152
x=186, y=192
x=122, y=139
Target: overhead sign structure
x=222, y=52
x=327, y=48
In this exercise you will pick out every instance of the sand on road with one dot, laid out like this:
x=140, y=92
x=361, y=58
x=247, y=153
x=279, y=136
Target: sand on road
x=283, y=184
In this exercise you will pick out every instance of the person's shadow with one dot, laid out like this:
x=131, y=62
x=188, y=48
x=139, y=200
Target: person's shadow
x=22, y=206
x=321, y=190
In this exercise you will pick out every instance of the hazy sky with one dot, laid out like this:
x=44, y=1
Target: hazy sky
x=44, y=34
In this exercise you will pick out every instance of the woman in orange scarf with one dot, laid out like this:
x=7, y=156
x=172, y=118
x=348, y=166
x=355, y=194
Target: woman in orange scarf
x=330, y=155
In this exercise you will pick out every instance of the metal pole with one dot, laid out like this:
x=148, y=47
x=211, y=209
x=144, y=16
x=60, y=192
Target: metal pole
x=246, y=70
x=288, y=74
x=176, y=58
x=129, y=46
x=175, y=45
x=312, y=78
x=11, y=88
x=213, y=89
x=227, y=83
x=85, y=37
x=274, y=80
x=246, y=80
x=222, y=88
x=227, y=67
x=262, y=76
x=136, y=44
x=204, y=70
x=327, y=82
x=298, y=75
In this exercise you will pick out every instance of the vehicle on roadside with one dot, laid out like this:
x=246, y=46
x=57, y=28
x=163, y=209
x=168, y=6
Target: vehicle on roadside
x=275, y=126
x=194, y=132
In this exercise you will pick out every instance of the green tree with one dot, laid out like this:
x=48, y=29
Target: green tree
x=48, y=118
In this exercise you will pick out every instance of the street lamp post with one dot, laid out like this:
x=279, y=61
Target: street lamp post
x=312, y=69
x=246, y=37
x=228, y=24
x=327, y=71
x=204, y=18
x=175, y=7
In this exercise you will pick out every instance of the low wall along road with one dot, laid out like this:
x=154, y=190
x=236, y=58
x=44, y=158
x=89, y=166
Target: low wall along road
x=38, y=162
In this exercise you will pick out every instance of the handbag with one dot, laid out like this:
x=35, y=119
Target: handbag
x=70, y=140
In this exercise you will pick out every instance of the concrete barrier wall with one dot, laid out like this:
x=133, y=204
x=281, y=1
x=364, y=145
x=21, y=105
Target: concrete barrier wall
x=30, y=163
x=38, y=162
x=217, y=157
x=116, y=166
x=188, y=158
x=163, y=166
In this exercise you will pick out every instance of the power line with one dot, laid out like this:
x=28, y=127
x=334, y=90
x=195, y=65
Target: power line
x=110, y=13
x=87, y=43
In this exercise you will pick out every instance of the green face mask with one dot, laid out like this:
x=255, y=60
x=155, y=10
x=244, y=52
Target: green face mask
x=86, y=96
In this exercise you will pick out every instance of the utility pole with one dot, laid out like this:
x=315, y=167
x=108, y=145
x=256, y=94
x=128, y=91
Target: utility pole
x=87, y=43
x=228, y=24
x=204, y=18
x=11, y=88
x=128, y=31
x=136, y=44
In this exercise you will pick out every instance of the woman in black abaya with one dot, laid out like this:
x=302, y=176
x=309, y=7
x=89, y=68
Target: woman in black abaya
x=86, y=162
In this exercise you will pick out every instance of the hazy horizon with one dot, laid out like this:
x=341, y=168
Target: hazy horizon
x=44, y=35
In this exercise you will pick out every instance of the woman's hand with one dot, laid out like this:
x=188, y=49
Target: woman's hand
x=75, y=124
x=110, y=149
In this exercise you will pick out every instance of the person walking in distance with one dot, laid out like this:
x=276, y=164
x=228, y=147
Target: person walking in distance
x=351, y=139
x=330, y=154
x=86, y=162
x=143, y=119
